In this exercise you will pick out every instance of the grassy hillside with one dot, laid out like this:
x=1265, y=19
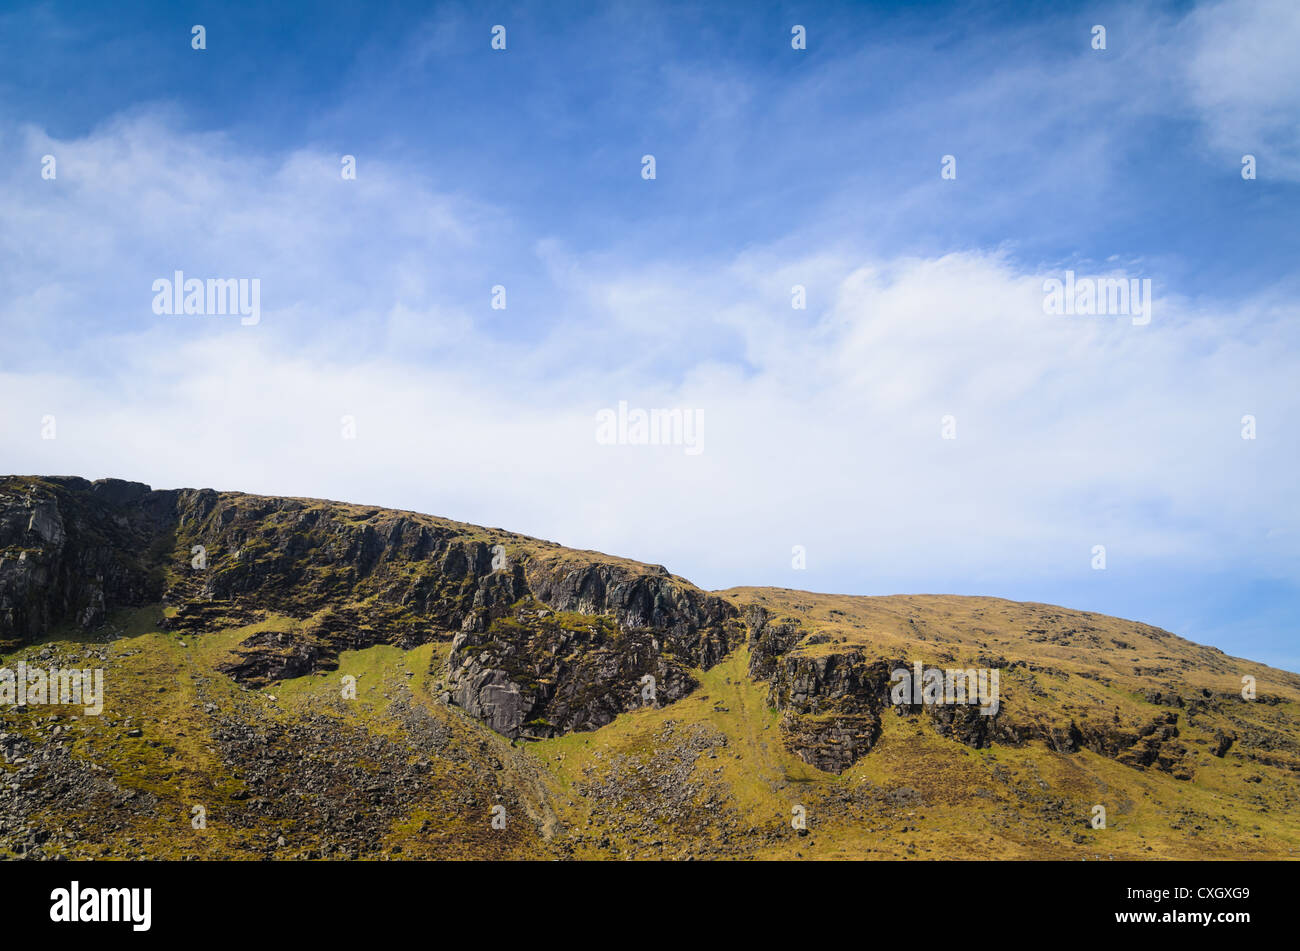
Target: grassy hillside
x=294, y=770
x=1095, y=711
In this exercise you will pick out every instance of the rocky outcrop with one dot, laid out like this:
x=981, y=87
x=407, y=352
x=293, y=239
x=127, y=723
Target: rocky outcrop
x=833, y=702
x=593, y=642
x=539, y=673
x=71, y=549
x=692, y=623
x=769, y=639
x=833, y=705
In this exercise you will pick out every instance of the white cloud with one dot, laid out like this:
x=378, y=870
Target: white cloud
x=136, y=200
x=822, y=427
x=1244, y=76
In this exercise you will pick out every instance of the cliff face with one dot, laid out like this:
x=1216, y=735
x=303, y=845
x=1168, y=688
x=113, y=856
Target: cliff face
x=71, y=549
x=547, y=640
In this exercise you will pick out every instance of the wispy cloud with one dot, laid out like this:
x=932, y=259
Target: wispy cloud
x=1243, y=76
x=822, y=426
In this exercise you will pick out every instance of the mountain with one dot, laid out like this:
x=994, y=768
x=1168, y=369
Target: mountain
x=300, y=678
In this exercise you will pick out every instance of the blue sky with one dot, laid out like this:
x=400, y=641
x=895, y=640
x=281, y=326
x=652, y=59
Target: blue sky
x=775, y=167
